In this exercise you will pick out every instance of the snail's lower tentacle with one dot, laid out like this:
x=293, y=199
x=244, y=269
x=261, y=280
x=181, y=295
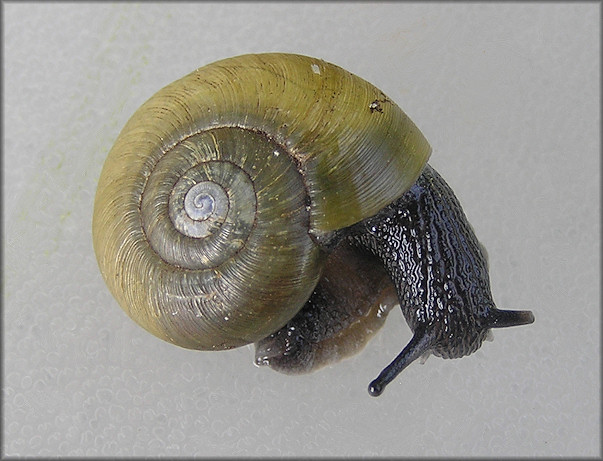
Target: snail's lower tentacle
x=420, y=344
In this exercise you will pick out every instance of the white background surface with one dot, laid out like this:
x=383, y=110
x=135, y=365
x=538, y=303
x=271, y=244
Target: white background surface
x=508, y=96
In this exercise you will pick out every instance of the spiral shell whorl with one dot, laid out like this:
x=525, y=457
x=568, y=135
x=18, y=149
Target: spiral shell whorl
x=238, y=281
x=277, y=146
x=216, y=162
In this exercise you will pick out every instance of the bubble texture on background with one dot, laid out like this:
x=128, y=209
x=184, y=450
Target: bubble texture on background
x=508, y=96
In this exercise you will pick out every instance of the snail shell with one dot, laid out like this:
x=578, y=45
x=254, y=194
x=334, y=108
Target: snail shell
x=278, y=199
x=216, y=205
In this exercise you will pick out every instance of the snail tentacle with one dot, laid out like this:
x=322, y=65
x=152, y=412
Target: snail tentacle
x=420, y=343
x=499, y=318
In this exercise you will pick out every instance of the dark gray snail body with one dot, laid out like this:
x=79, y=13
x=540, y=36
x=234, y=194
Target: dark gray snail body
x=273, y=199
x=439, y=271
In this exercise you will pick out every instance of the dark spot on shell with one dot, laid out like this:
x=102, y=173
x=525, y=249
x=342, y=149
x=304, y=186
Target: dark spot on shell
x=375, y=106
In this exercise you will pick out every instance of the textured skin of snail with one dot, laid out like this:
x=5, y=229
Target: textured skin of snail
x=280, y=200
x=440, y=273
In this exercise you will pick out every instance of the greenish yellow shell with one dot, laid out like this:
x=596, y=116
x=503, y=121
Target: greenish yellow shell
x=284, y=146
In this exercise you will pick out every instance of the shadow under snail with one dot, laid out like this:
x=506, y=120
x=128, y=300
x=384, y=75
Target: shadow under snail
x=280, y=200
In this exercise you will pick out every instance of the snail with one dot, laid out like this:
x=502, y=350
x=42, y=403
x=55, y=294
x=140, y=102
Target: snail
x=279, y=200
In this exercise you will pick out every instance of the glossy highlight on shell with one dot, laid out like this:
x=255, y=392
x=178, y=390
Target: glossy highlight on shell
x=233, y=206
